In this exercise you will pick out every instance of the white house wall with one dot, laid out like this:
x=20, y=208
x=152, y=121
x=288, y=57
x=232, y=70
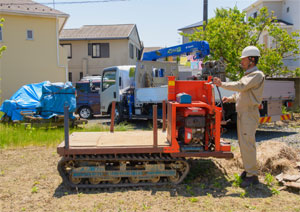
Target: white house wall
x=81, y=62
x=280, y=11
x=187, y=31
x=134, y=38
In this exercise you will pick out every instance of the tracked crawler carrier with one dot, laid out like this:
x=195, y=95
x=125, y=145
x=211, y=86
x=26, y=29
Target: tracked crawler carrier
x=139, y=158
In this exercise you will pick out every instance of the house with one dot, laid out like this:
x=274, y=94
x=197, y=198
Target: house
x=31, y=34
x=288, y=16
x=95, y=47
x=190, y=29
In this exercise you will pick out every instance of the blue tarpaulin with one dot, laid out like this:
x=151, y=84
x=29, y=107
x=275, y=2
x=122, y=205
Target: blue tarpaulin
x=44, y=99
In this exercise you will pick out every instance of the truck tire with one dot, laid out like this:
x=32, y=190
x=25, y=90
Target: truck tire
x=118, y=114
x=85, y=112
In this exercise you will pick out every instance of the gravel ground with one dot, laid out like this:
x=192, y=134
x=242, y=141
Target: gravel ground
x=282, y=132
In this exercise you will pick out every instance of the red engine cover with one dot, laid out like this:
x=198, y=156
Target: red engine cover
x=193, y=111
x=188, y=135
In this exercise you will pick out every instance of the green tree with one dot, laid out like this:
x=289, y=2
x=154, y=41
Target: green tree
x=228, y=34
x=2, y=48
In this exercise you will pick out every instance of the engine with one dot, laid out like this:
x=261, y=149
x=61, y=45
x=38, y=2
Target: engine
x=192, y=126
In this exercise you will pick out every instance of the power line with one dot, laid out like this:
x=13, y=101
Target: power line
x=64, y=2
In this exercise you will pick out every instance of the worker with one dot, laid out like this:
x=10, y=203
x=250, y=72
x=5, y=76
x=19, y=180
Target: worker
x=247, y=100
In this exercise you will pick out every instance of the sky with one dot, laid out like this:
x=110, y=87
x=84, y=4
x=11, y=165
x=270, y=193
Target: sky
x=157, y=21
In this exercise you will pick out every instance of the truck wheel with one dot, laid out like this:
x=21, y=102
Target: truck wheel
x=118, y=114
x=85, y=112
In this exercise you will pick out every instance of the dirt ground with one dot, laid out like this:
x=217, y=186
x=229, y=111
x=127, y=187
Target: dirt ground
x=29, y=181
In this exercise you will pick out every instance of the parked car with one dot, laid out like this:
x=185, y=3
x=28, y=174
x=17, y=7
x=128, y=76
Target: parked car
x=87, y=98
x=92, y=78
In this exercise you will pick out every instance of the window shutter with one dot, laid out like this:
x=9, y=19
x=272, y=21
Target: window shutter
x=131, y=51
x=90, y=49
x=104, y=50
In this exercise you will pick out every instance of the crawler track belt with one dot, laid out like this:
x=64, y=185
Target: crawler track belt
x=132, y=170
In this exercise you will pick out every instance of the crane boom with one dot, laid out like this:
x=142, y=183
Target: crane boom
x=200, y=47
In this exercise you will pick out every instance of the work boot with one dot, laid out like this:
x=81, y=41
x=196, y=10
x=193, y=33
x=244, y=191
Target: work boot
x=243, y=175
x=248, y=181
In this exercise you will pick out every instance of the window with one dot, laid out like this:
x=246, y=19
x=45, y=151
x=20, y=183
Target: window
x=288, y=9
x=70, y=76
x=95, y=87
x=82, y=87
x=138, y=54
x=98, y=50
x=69, y=49
x=131, y=51
x=29, y=35
x=0, y=33
x=109, y=79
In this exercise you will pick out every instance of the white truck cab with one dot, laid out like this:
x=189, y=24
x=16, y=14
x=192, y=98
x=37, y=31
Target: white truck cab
x=114, y=80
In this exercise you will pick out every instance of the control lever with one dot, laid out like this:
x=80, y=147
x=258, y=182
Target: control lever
x=223, y=122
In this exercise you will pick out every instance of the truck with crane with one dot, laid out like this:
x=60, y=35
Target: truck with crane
x=136, y=88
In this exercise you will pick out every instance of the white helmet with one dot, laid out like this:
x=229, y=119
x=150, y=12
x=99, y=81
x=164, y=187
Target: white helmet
x=250, y=51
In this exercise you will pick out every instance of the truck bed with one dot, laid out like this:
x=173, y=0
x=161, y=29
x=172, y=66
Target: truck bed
x=273, y=89
x=282, y=90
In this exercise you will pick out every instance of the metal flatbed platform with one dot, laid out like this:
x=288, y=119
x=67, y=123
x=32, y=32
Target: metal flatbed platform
x=111, y=143
x=129, y=142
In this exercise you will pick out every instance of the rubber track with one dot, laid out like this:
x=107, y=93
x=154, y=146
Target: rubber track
x=125, y=157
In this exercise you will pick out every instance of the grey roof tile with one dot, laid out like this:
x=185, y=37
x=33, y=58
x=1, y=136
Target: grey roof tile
x=198, y=24
x=150, y=49
x=94, y=32
x=28, y=7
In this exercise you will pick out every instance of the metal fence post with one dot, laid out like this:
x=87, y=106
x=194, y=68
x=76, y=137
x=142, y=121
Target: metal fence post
x=66, y=125
x=154, y=109
x=112, y=116
x=164, y=115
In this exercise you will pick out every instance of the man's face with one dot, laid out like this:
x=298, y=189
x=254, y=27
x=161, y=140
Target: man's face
x=245, y=63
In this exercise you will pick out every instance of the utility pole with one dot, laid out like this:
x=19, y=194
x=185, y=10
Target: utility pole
x=53, y=4
x=205, y=3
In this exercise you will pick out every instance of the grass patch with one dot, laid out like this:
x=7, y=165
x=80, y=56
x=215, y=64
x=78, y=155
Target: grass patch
x=194, y=199
x=269, y=179
x=20, y=136
x=34, y=189
x=237, y=180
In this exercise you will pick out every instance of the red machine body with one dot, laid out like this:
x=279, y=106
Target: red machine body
x=196, y=126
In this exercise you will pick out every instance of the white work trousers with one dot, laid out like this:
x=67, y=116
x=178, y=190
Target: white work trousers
x=247, y=122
